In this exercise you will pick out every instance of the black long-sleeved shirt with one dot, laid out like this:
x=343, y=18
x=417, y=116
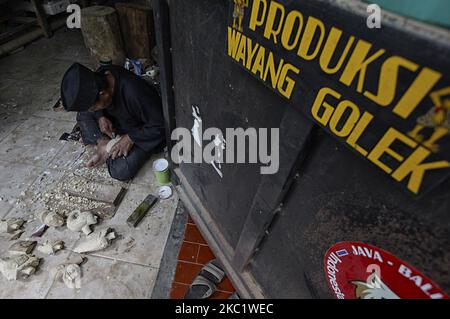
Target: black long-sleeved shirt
x=136, y=109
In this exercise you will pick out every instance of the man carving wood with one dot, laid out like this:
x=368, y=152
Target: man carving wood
x=111, y=101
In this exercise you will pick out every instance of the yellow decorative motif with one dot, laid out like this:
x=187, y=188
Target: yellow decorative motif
x=438, y=118
x=238, y=13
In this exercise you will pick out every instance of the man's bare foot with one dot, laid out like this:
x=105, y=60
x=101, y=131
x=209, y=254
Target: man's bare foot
x=101, y=155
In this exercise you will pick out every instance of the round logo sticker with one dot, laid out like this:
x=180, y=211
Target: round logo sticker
x=361, y=271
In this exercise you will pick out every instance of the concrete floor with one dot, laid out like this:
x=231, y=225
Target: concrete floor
x=33, y=161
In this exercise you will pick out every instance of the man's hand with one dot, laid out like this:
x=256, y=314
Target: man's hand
x=122, y=147
x=106, y=126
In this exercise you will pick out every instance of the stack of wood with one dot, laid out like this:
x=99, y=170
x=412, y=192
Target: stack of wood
x=136, y=24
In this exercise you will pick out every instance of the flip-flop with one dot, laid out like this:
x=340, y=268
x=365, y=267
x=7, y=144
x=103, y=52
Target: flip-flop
x=205, y=284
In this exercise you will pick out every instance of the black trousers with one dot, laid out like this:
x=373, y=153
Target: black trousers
x=122, y=168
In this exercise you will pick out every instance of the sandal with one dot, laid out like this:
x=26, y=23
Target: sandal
x=205, y=284
x=234, y=296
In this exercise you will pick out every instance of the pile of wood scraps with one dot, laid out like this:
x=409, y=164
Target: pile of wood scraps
x=75, y=201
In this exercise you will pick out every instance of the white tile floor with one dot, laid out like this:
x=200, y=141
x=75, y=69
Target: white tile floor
x=33, y=160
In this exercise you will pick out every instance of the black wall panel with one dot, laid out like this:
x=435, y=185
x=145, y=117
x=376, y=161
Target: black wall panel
x=339, y=197
x=227, y=97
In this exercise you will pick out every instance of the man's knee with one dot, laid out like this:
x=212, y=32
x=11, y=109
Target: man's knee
x=126, y=168
x=123, y=175
x=120, y=170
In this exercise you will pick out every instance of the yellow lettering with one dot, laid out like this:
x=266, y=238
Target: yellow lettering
x=358, y=63
x=349, y=123
x=288, y=28
x=312, y=26
x=254, y=19
x=320, y=102
x=241, y=50
x=330, y=48
x=286, y=81
x=383, y=146
x=233, y=41
x=413, y=166
x=424, y=82
x=362, y=124
x=250, y=52
x=258, y=65
x=387, y=84
x=270, y=30
x=270, y=68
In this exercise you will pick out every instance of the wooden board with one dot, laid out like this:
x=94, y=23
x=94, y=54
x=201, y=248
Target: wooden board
x=136, y=25
x=14, y=32
x=110, y=194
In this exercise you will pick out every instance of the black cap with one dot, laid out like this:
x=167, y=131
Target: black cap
x=79, y=89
